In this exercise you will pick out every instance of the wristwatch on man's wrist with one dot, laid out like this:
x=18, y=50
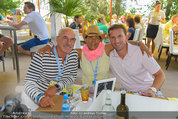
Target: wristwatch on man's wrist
x=153, y=89
x=58, y=88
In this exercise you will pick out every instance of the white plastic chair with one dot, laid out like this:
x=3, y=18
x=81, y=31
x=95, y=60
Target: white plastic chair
x=173, y=49
x=77, y=42
x=160, y=41
x=136, y=35
x=142, y=31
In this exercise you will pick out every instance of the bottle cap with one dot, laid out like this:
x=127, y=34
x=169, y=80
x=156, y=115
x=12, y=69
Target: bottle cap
x=123, y=92
x=94, y=82
x=65, y=96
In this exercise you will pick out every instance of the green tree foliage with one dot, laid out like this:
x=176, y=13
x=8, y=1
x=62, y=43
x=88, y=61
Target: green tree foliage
x=170, y=7
x=107, y=19
x=67, y=7
x=96, y=7
x=6, y=5
x=119, y=7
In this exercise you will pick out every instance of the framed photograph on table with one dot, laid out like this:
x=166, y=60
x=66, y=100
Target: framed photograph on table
x=106, y=84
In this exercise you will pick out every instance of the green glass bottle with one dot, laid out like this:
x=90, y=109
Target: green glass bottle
x=122, y=111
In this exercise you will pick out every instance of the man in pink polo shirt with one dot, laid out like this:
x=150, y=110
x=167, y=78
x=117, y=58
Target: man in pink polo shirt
x=134, y=71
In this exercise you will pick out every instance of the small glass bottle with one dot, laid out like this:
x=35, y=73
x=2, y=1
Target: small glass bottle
x=108, y=109
x=108, y=106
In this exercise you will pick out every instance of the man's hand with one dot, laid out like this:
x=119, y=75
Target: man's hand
x=44, y=50
x=46, y=102
x=51, y=91
x=17, y=25
x=144, y=48
x=149, y=93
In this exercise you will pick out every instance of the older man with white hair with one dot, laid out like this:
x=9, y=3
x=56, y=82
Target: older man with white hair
x=50, y=73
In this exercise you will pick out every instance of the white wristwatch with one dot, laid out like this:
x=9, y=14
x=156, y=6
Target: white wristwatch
x=153, y=89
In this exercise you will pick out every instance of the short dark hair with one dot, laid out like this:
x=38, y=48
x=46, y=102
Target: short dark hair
x=30, y=5
x=130, y=21
x=117, y=26
x=76, y=17
x=137, y=18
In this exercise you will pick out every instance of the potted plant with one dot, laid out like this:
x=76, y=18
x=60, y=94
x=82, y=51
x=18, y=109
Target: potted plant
x=67, y=7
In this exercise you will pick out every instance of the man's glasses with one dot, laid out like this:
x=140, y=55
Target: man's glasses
x=65, y=38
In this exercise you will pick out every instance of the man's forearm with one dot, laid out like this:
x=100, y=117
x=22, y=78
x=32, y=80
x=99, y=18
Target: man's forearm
x=159, y=79
x=69, y=80
x=18, y=25
x=133, y=42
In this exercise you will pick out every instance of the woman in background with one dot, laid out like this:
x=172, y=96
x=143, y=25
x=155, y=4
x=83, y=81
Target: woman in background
x=131, y=30
x=155, y=17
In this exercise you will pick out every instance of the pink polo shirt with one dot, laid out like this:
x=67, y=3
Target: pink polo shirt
x=135, y=71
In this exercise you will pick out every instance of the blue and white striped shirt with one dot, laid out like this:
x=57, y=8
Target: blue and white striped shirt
x=43, y=69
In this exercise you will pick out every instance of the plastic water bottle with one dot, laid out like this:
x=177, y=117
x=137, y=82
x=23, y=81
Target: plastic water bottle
x=65, y=107
x=92, y=89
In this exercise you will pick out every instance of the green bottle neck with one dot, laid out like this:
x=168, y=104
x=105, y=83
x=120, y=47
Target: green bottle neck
x=122, y=99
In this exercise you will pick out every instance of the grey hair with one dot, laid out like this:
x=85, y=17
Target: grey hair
x=63, y=29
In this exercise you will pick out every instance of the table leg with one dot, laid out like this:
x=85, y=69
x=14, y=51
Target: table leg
x=13, y=55
x=16, y=56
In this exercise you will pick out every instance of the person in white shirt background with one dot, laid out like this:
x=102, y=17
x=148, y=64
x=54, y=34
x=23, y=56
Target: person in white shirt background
x=37, y=26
